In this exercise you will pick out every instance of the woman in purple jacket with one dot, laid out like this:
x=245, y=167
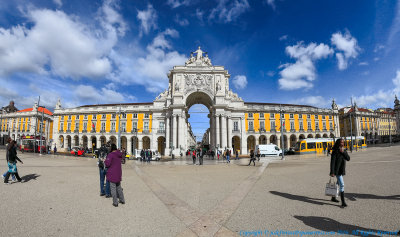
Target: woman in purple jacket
x=114, y=174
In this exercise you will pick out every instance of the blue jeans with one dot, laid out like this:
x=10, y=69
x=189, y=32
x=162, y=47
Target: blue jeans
x=340, y=182
x=12, y=175
x=107, y=191
x=227, y=159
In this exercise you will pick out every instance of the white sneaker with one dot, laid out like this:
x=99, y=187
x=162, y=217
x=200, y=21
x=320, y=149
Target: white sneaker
x=3, y=177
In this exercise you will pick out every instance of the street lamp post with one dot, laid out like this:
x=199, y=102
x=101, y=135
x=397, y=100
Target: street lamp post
x=351, y=126
x=37, y=112
x=41, y=130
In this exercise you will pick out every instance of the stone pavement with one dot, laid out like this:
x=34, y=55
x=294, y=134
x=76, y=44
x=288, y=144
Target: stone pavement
x=176, y=198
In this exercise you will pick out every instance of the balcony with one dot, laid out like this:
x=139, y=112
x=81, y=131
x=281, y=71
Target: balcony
x=112, y=131
x=262, y=130
x=251, y=130
x=84, y=131
x=146, y=132
x=68, y=131
x=76, y=131
x=160, y=131
x=272, y=130
x=235, y=131
x=134, y=130
x=102, y=131
x=292, y=130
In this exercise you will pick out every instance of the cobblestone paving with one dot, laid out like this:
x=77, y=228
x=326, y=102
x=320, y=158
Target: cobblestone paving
x=61, y=197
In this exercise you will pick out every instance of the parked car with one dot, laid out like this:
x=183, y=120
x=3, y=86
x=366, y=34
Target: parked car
x=77, y=151
x=155, y=155
x=289, y=151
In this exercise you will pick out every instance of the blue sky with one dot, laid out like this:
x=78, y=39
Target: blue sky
x=282, y=51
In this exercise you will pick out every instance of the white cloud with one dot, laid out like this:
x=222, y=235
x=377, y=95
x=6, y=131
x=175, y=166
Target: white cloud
x=363, y=64
x=347, y=48
x=317, y=101
x=178, y=3
x=89, y=94
x=58, y=3
x=381, y=98
x=181, y=21
x=271, y=3
x=149, y=70
x=60, y=44
x=199, y=14
x=283, y=38
x=301, y=73
x=226, y=12
x=148, y=19
x=240, y=82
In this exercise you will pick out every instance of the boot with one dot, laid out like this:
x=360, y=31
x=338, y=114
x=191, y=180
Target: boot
x=342, y=197
x=334, y=199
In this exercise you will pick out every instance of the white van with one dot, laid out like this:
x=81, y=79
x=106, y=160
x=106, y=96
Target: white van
x=268, y=150
x=155, y=155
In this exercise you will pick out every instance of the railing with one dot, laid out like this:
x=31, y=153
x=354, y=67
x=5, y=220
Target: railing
x=76, y=131
x=84, y=131
x=262, y=129
x=134, y=130
x=161, y=131
x=102, y=131
x=146, y=132
x=112, y=131
x=272, y=130
x=235, y=131
x=68, y=131
x=292, y=130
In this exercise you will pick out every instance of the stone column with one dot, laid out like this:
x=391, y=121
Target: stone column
x=224, y=133
x=129, y=145
x=243, y=138
x=167, y=133
x=173, y=131
x=180, y=131
x=217, y=131
x=140, y=141
x=212, y=131
x=229, y=129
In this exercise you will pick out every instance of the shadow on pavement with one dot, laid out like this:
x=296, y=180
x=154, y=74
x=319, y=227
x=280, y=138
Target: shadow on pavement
x=29, y=177
x=315, y=201
x=328, y=225
x=355, y=196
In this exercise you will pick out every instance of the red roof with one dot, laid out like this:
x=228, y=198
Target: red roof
x=46, y=111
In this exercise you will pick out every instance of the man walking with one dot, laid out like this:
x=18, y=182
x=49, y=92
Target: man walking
x=201, y=157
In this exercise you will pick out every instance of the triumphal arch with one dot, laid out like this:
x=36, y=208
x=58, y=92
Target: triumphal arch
x=163, y=124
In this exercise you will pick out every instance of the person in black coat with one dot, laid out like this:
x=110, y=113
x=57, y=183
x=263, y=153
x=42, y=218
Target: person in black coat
x=12, y=162
x=338, y=167
x=252, y=158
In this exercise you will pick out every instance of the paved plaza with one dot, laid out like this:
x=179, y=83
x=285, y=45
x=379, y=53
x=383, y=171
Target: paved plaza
x=61, y=197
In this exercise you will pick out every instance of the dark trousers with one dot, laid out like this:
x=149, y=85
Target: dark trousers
x=8, y=176
x=201, y=160
x=194, y=159
x=103, y=190
x=254, y=161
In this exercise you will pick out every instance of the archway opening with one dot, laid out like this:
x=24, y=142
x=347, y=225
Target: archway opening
x=146, y=142
x=251, y=143
x=161, y=145
x=273, y=140
x=198, y=121
x=293, y=140
x=236, y=144
x=262, y=140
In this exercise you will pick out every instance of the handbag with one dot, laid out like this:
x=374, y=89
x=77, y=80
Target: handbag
x=331, y=188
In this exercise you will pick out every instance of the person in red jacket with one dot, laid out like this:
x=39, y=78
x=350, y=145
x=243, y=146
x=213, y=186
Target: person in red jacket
x=114, y=174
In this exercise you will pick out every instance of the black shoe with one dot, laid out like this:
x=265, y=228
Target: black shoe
x=122, y=202
x=108, y=196
x=115, y=205
x=102, y=194
x=342, y=198
x=334, y=199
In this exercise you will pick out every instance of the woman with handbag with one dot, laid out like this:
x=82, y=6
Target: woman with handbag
x=338, y=167
x=114, y=174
